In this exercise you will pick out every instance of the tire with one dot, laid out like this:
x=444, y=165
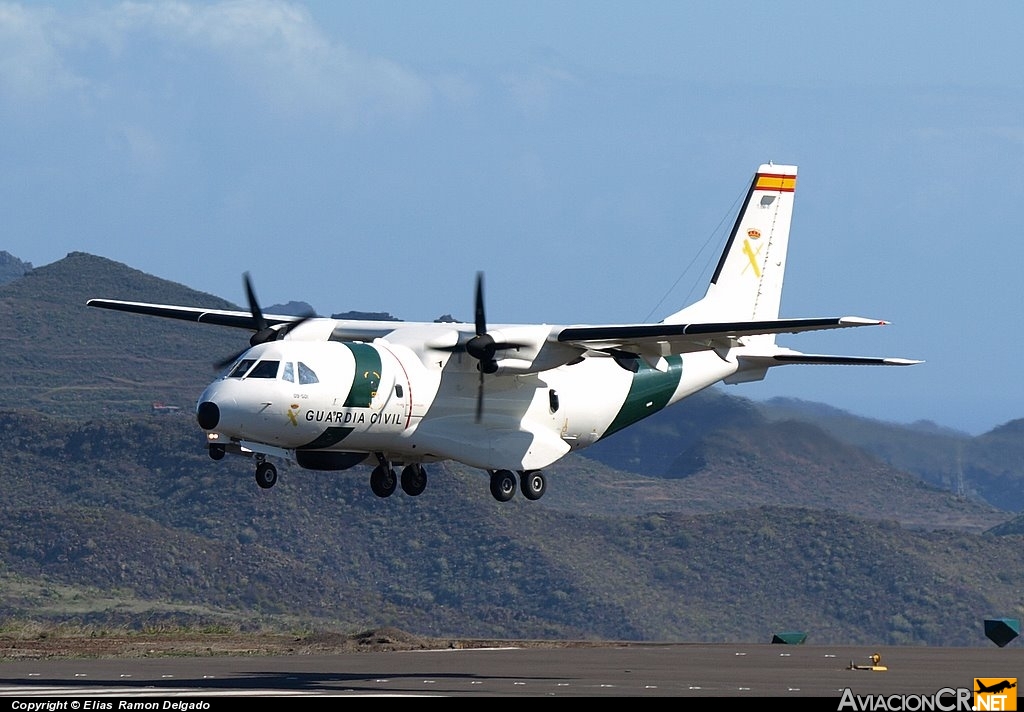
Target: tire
x=414, y=480
x=503, y=485
x=383, y=481
x=533, y=484
x=266, y=475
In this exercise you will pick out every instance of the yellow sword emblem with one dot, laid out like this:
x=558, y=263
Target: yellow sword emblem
x=752, y=254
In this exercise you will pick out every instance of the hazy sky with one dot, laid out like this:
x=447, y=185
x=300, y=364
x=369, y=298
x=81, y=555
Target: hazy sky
x=587, y=156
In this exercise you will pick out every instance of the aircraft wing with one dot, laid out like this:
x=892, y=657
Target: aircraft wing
x=220, y=317
x=811, y=359
x=349, y=329
x=669, y=339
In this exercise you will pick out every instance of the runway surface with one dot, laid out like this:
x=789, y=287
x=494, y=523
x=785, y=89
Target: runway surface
x=634, y=670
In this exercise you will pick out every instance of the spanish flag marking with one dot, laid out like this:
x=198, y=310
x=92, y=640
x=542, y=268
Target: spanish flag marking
x=775, y=181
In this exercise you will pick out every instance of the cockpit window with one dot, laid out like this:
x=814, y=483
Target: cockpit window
x=265, y=369
x=288, y=374
x=306, y=374
x=241, y=367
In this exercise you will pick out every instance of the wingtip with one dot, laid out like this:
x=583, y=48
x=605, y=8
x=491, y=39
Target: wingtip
x=862, y=321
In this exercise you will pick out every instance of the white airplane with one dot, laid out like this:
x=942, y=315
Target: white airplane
x=509, y=399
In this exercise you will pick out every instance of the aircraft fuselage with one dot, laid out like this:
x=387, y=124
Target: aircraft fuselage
x=417, y=407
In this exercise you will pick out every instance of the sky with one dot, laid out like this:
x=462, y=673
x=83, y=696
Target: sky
x=586, y=156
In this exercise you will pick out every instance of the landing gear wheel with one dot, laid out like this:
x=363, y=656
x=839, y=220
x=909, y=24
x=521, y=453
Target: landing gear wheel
x=503, y=485
x=217, y=452
x=533, y=484
x=414, y=480
x=266, y=475
x=383, y=481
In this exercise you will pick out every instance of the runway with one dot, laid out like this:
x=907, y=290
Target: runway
x=635, y=670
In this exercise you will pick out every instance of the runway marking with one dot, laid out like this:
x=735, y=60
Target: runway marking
x=78, y=691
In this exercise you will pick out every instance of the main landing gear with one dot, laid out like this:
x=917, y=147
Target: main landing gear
x=503, y=484
x=383, y=480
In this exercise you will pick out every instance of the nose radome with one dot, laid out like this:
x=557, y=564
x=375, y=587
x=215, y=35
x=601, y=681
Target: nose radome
x=208, y=415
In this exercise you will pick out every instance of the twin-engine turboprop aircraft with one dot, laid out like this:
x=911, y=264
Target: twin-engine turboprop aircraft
x=509, y=399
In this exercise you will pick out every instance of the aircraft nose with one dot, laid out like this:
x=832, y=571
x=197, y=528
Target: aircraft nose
x=208, y=415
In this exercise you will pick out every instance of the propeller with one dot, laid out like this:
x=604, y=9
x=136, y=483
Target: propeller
x=483, y=346
x=262, y=332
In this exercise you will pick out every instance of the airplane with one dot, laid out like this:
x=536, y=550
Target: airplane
x=508, y=399
x=997, y=687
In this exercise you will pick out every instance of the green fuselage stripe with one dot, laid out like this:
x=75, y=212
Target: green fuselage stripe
x=328, y=438
x=365, y=381
x=367, y=376
x=648, y=393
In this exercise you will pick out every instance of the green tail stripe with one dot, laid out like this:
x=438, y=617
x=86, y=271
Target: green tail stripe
x=367, y=376
x=648, y=393
x=327, y=438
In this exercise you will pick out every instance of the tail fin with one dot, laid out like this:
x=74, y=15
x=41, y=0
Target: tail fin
x=747, y=284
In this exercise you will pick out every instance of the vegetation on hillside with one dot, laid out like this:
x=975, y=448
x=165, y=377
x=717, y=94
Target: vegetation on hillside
x=716, y=520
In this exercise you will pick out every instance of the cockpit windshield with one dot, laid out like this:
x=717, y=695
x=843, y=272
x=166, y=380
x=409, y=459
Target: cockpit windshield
x=241, y=367
x=252, y=368
x=264, y=369
x=261, y=369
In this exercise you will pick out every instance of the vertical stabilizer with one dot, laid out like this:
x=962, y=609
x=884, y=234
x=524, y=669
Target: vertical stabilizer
x=747, y=284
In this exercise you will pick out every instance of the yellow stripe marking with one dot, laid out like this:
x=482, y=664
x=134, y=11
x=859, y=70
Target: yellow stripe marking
x=775, y=182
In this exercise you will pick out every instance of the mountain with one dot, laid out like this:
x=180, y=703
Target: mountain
x=11, y=268
x=989, y=467
x=126, y=522
x=716, y=520
x=67, y=359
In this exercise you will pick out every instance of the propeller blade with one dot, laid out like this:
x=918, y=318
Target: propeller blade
x=480, y=398
x=478, y=309
x=482, y=346
x=262, y=332
x=477, y=346
x=224, y=363
x=259, y=323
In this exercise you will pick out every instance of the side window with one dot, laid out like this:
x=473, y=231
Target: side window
x=398, y=390
x=306, y=374
x=288, y=374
